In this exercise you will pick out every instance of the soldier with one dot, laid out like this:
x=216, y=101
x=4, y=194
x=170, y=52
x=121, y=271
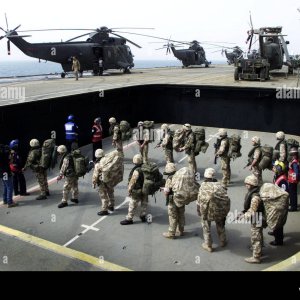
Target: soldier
x=253, y=209
x=76, y=66
x=176, y=214
x=106, y=192
x=166, y=143
x=143, y=136
x=280, y=179
x=206, y=194
x=71, y=130
x=67, y=171
x=254, y=158
x=293, y=178
x=281, y=146
x=189, y=147
x=115, y=131
x=96, y=136
x=222, y=147
x=135, y=186
x=19, y=181
x=33, y=162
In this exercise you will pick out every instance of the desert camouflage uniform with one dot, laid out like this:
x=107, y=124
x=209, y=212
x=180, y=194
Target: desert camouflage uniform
x=168, y=148
x=117, y=138
x=176, y=214
x=106, y=192
x=33, y=161
x=144, y=151
x=206, y=193
x=136, y=197
x=225, y=161
x=188, y=147
x=256, y=227
x=71, y=180
x=76, y=67
x=255, y=169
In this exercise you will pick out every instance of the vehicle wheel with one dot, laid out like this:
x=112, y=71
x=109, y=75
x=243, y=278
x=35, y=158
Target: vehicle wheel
x=63, y=75
x=262, y=74
x=236, y=74
x=126, y=71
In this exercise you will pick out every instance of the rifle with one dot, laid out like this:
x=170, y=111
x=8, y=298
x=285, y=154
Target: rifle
x=159, y=144
x=216, y=150
x=248, y=164
x=239, y=217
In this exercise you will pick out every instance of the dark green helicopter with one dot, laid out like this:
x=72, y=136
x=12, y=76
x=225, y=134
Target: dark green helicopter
x=112, y=50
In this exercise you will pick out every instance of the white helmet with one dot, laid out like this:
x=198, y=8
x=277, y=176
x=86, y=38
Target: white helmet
x=164, y=127
x=252, y=180
x=137, y=159
x=34, y=143
x=256, y=140
x=222, y=132
x=170, y=168
x=62, y=149
x=141, y=123
x=187, y=127
x=99, y=153
x=280, y=135
x=209, y=173
x=112, y=120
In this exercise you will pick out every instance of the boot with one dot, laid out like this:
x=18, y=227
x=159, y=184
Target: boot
x=207, y=248
x=223, y=243
x=103, y=213
x=41, y=197
x=111, y=208
x=252, y=260
x=126, y=222
x=62, y=204
x=75, y=201
x=169, y=235
x=143, y=219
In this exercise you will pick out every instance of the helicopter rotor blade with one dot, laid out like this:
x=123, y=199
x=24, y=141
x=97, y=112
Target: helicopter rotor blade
x=77, y=37
x=8, y=47
x=129, y=41
x=18, y=36
x=58, y=29
x=16, y=28
x=251, y=23
x=6, y=21
x=218, y=42
x=3, y=30
x=132, y=28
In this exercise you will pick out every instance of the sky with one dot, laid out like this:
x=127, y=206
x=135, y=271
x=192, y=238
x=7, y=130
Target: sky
x=183, y=20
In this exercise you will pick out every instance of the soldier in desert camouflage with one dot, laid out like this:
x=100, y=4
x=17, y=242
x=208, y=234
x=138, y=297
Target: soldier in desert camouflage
x=254, y=158
x=176, y=214
x=115, y=131
x=213, y=204
x=106, y=192
x=254, y=211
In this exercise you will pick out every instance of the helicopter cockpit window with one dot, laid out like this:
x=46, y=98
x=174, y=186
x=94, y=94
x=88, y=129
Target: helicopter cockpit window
x=128, y=50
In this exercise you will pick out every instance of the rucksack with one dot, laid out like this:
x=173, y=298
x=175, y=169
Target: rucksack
x=276, y=203
x=150, y=126
x=126, y=130
x=213, y=201
x=81, y=163
x=112, y=166
x=49, y=154
x=199, y=141
x=291, y=143
x=235, y=146
x=178, y=139
x=153, y=179
x=185, y=188
x=266, y=157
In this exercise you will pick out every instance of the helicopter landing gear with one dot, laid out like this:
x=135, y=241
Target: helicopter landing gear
x=63, y=75
x=126, y=71
x=236, y=74
x=206, y=66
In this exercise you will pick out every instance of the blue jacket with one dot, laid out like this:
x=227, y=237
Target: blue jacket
x=71, y=131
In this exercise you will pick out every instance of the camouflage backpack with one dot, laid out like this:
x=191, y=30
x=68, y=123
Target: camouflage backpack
x=112, y=166
x=81, y=163
x=153, y=179
x=213, y=201
x=184, y=187
x=126, y=130
x=150, y=126
x=276, y=203
x=178, y=139
x=235, y=146
x=266, y=157
x=49, y=154
x=199, y=141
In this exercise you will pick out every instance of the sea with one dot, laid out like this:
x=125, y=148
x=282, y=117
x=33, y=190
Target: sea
x=11, y=69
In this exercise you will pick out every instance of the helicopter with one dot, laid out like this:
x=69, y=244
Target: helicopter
x=270, y=55
x=236, y=53
x=113, y=51
x=193, y=56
